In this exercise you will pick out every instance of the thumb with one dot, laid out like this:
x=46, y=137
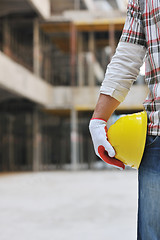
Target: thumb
x=109, y=149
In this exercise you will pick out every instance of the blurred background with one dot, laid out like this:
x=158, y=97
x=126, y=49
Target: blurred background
x=53, y=56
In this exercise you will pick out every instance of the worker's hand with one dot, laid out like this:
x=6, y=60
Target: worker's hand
x=102, y=147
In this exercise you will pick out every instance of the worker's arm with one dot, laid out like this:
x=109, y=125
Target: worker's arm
x=120, y=75
x=105, y=107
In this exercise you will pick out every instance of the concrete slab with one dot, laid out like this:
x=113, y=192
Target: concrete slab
x=20, y=81
x=60, y=205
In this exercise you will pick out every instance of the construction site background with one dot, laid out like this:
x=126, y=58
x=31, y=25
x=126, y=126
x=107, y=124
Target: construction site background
x=53, y=57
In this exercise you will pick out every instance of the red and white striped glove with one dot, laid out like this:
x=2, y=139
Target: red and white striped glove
x=102, y=147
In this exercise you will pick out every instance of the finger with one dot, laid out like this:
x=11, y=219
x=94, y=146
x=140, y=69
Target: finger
x=112, y=161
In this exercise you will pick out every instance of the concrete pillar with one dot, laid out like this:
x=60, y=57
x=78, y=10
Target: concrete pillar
x=47, y=61
x=77, y=4
x=29, y=144
x=80, y=60
x=73, y=42
x=112, y=39
x=36, y=47
x=91, y=48
x=6, y=37
x=36, y=142
x=11, y=146
x=74, y=140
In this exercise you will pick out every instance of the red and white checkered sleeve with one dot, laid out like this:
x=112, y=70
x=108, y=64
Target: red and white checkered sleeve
x=133, y=31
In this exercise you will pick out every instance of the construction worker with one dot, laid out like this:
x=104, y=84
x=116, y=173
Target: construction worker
x=140, y=38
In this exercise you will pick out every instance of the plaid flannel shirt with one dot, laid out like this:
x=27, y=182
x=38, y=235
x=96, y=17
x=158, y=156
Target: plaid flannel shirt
x=142, y=27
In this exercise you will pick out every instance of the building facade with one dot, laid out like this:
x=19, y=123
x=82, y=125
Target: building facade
x=53, y=56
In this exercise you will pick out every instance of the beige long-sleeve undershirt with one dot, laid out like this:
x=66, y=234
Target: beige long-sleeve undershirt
x=123, y=70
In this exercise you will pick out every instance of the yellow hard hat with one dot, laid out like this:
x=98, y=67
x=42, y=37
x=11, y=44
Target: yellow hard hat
x=128, y=136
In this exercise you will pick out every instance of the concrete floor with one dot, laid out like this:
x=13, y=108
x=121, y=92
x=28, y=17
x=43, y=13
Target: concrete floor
x=83, y=205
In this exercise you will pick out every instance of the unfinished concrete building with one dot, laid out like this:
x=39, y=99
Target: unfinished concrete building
x=53, y=55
